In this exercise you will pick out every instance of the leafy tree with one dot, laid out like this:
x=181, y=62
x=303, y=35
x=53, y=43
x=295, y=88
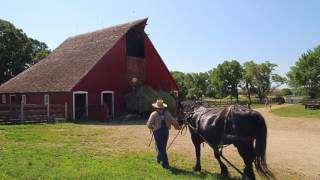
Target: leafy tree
x=277, y=81
x=195, y=85
x=179, y=78
x=226, y=77
x=305, y=74
x=17, y=51
x=192, y=85
x=250, y=70
x=286, y=92
x=217, y=85
x=259, y=78
x=40, y=50
x=264, y=78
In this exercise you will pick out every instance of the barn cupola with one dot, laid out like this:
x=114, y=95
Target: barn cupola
x=135, y=52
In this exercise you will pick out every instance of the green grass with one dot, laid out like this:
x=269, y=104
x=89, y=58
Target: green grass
x=95, y=150
x=81, y=151
x=255, y=106
x=296, y=110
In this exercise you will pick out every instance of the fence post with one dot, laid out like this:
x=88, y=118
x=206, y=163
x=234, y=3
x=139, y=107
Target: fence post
x=65, y=111
x=48, y=112
x=21, y=111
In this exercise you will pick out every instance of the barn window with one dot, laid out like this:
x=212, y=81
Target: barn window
x=4, y=100
x=46, y=99
x=24, y=99
x=135, y=43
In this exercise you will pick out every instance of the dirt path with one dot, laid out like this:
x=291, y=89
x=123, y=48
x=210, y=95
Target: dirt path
x=294, y=144
x=293, y=148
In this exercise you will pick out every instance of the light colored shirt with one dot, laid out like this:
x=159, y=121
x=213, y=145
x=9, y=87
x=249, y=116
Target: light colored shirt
x=154, y=121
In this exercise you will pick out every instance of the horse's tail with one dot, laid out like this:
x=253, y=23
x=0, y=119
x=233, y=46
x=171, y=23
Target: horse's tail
x=260, y=147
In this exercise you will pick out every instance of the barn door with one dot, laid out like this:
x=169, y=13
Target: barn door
x=12, y=99
x=80, y=106
x=107, y=98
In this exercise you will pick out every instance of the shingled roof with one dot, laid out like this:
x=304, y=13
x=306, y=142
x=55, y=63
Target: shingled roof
x=69, y=63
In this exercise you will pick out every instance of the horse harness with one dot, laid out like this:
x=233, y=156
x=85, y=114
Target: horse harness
x=225, y=136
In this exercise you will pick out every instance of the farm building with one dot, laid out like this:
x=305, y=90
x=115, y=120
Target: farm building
x=90, y=70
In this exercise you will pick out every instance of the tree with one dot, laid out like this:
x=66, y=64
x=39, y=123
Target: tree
x=277, y=81
x=286, y=92
x=17, y=51
x=192, y=85
x=263, y=79
x=305, y=74
x=259, y=78
x=39, y=50
x=179, y=78
x=250, y=70
x=226, y=78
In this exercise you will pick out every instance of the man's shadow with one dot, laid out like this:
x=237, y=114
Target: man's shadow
x=202, y=174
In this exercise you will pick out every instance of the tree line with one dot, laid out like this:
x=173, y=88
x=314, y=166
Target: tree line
x=258, y=79
x=228, y=78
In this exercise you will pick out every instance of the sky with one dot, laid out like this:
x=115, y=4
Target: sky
x=190, y=36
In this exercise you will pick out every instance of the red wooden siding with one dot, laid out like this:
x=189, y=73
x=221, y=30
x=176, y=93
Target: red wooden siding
x=109, y=74
x=157, y=75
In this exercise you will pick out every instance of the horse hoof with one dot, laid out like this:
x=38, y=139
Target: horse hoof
x=197, y=168
x=225, y=173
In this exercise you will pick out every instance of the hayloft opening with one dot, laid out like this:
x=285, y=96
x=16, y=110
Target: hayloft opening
x=135, y=43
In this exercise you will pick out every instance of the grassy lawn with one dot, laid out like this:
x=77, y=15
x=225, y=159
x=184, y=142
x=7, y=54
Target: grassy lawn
x=255, y=106
x=296, y=110
x=81, y=151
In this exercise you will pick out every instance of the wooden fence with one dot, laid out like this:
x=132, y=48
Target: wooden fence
x=32, y=113
x=223, y=103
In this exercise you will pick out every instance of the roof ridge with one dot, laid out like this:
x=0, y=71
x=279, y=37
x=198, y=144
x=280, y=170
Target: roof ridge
x=134, y=22
x=137, y=21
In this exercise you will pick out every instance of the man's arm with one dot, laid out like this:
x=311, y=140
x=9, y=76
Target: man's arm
x=174, y=122
x=150, y=123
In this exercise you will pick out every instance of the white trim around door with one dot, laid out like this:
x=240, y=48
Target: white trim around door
x=112, y=100
x=73, y=99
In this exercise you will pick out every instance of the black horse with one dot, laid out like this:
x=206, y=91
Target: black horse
x=244, y=128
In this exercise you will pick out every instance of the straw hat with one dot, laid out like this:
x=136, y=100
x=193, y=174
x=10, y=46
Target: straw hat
x=159, y=104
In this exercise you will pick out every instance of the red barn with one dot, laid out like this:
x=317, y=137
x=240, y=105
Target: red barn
x=91, y=69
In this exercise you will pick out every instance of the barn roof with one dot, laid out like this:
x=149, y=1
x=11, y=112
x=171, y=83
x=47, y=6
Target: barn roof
x=69, y=63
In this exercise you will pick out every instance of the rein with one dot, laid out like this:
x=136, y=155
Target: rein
x=184, y=128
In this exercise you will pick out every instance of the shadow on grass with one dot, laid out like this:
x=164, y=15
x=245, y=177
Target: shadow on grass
x=202, y=174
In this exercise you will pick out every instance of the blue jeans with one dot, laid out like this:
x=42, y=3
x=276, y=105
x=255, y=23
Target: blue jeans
x=161, y=137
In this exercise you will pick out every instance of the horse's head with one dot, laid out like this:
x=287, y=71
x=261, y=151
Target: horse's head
x=186, y=110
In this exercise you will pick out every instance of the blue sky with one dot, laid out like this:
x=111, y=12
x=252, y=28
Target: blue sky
x=191, y=36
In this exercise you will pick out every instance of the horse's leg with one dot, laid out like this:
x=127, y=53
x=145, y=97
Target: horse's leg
x=246, y=151
x=196, y=142
x=223, y=167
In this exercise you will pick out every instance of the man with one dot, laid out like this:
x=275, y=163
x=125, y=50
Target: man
x=267, y=103
x=160, y=122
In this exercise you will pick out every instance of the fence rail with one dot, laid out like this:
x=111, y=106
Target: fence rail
x=32, y=113
x=223, y=103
